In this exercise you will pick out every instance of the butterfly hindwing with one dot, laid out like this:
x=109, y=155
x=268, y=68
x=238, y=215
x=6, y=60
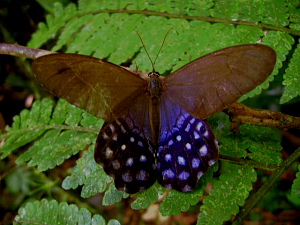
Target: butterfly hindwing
x=124, y=149
x=187, y=148
x=126, y=156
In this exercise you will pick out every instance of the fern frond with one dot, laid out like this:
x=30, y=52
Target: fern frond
x=62, y=134
x=292, y=78
x=88, y=174
x=106, y=29
x=228, y=194
x=52, y=212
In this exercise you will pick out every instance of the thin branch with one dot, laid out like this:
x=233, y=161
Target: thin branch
x=251, y=202
x=240, y=114
x=19, y=50
x=257, y=165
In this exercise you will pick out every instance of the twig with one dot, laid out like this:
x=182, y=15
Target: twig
x=251, y=202
x=240, y=114
x=19, y=50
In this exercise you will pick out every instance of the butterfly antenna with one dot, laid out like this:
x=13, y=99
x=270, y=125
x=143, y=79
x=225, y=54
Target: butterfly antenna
x=162, y=45
x=153, y=63
x=146, y=50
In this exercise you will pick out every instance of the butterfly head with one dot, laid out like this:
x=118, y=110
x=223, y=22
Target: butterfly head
x=153, y=74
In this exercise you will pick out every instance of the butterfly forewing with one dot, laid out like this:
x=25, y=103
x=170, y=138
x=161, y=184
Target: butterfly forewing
x=89, y=83
x=212, y=82
x=187, y=148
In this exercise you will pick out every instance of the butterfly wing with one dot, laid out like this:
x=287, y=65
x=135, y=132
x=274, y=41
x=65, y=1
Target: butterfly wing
x=124, y=149
x=212, y=82
x=186, y=149
x=101, y=88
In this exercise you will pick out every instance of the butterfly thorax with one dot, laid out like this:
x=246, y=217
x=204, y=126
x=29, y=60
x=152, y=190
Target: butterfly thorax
x=155, y=89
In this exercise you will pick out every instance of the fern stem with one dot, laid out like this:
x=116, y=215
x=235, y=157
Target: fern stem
x=251, y=202
x=257, y=165
x=47, y=127
x=199, y=18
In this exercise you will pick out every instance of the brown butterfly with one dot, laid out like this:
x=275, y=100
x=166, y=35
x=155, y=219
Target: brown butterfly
x=155, y=126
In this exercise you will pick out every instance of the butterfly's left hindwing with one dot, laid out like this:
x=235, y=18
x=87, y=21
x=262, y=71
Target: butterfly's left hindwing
x=124, y=149
x=126, y=157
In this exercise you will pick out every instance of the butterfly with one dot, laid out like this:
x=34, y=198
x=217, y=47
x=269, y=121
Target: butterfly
x=155, y=127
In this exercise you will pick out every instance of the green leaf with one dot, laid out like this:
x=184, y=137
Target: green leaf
x=261, y=144
x=52, y=212
x=112, y=196
x=62, y=136
x=292, y=78
x=147, y=197
x=26, y=127
x=228, y=194
x=296, y=186
x=177, y=202
x=88, y=174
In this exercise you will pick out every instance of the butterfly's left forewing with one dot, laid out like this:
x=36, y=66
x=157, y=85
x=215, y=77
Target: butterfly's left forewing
x=187, y=148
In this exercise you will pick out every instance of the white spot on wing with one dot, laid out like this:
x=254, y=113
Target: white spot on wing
x=168, y=174
x=116, y=164
x=181, y=160
x=123, y=129
x=168, y=157
x=112, y=128
x=140, y=144
x=211, y=162
x=195, y=163
x=143, y=158
x=105, y=136
x=184, y=175
x=192, y=120
x=188, y=126
x=196, y=135
x=199, y=125
x=127, y=177
x=180, y=121
x=203, y=150
x=199, y=175
x=129, y=162
x=187, y=188
x=188, y=146
x=108, y=152
x=142, y=175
